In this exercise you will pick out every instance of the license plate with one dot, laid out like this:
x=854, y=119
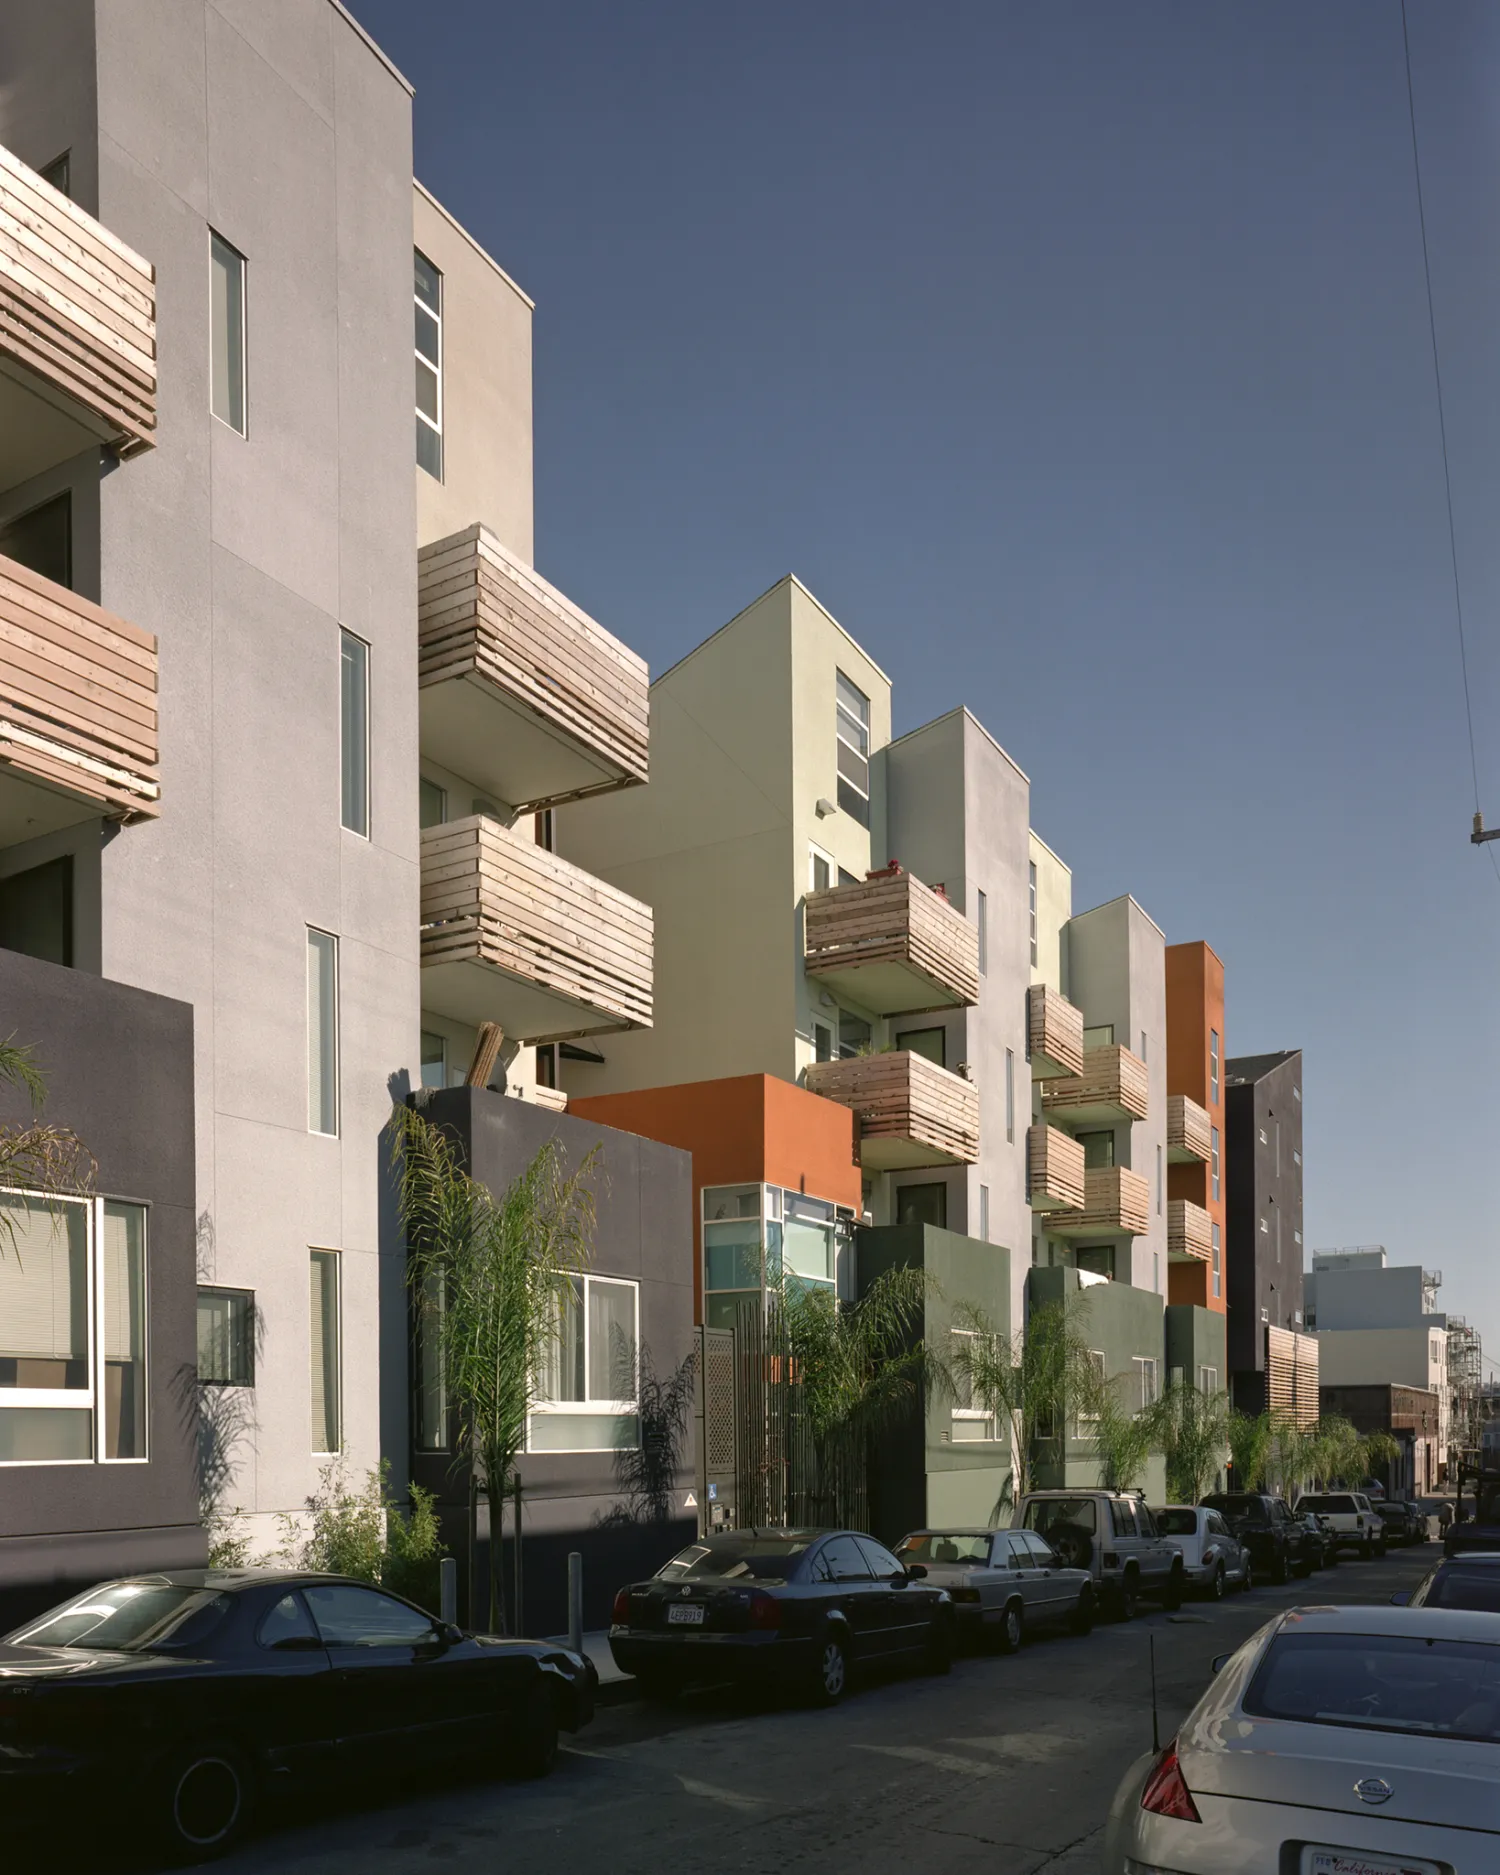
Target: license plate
x=687, y=1615
x=1318, y=1861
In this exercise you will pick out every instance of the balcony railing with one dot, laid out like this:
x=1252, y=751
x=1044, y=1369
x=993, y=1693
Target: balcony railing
x=893, y=943
x=1189, y=1232
x=1054, y=1034
x=1112, y=1089
x=77, y=331
x=78, y=721
x=1116, y=1203
x=521, y=692
x=911, y=1112
x=1054, y=1170
x=513, y=934
x=1188, y=1137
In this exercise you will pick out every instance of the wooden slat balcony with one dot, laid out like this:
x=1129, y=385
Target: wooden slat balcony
x=77, y=331
x=1190, y=1236
x=78, y=715
x=1054, y=1170
x=1116, y=1203
x=516, y=935
x=1112, y=1089
x=1188, y=1136
x=911, y=1112
x=1054, y=1034
x=520, y=691
x=893, y=943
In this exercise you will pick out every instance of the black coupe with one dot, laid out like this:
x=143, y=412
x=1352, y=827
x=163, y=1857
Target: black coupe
x=795, y=1607
x=186, y=1694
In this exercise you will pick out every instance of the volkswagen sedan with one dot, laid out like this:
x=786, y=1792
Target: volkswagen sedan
x=1337, y=1741
x=1003, y=1582
x=183, y=1697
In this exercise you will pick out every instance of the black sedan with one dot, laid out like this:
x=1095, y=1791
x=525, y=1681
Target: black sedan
x=798, y=1608
x=186, y=1695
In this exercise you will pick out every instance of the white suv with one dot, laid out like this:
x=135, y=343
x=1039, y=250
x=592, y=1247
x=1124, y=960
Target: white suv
x=1349, y=1516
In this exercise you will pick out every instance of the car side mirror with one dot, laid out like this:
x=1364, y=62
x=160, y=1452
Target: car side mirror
x=1401, y=1599
x=1220, y=1661
x=914, y=1572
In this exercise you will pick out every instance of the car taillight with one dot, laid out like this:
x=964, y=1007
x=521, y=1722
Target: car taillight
x=964, y=1595
x=622, y=1607
x=765, y=1610
x=1166, y=1792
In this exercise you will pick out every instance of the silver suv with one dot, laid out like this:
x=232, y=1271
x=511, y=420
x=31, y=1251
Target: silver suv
x=1113, y=1536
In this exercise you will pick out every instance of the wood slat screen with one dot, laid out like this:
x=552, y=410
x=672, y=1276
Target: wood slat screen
x=1054, y=1170
x=905, y=1096
x=1189, y=1231
x=1292, y=1374
x=1187, y=1127
x=78, y=704
x=894, y=919
x=77, y=306
x=1112, y=1076
x=491, y=896
x=1116, y=1203
x=1054, y=1033
x=485, y=614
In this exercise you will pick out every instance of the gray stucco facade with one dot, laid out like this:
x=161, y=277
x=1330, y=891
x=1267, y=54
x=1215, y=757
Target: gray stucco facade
x=1263, y=1146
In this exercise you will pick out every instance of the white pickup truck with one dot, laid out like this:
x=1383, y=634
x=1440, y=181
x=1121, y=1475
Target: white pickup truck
x=1348, y=1514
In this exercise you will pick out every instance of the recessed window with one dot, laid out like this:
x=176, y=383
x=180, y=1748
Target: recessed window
x=982, y=923
x=820, y=870
x=1010, y=1096
x=354, y=732
x=434, y=1059
x=1159, y=1180
x=1098, y=1150
x=1101, y=1035
x=227, y=332
x=853, y=749
x=322, y=1032
x=36, y=911
x=1218, y=1261
x=590, y=1371
x=1213, y=1066
x=1031, y=895
x=428, y=313
x=1214, y=1160
x=59, y=172
x=226, y=1337
x=1143, y=1044
x=854, y=1035
x=984, y=1213
x=822, y=1042
x=932, y=1043
x=42, y=539
x=432, y=804
x=325, y=1361
x=922, y=1204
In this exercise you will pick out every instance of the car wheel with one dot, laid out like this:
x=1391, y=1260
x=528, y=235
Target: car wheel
x=832, y=1675
x=1081, y=1621
x=533, y=1751
x=1128, y=1596
x=1012, y=1626
x=1172, y=1598
x=1216, y=1586
x=1247, y=1578
x=1305, y=1564
x=203, y=1803
x=1366, y=1549
x=938, y=1655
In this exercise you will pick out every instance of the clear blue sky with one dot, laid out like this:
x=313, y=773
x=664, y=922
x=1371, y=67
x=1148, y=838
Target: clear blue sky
x=1076, y=356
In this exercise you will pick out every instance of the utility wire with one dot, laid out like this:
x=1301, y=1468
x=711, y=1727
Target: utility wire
x=1437, y=378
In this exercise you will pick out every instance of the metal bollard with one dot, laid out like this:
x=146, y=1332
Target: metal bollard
x=448, y=1589
x=575, y=1601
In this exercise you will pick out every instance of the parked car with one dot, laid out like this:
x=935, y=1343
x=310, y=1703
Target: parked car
x=799, y=1608
x=1111, y=1535
x=1468, y=1581
x=1397, y=1522
x=182, y=1695
x=1323, y=1546
x=1336, y=1741
x=1475, y=1522
x=1279, y=1546
x=1003, y=1581
x=1351, y=1517
x=1213, y=1558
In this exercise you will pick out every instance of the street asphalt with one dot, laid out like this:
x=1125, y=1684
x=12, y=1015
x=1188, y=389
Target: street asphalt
x=1006, y=1765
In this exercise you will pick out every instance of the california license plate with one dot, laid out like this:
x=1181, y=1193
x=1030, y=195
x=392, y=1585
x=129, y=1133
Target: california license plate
x=689, y=1615
x=1318, y=1861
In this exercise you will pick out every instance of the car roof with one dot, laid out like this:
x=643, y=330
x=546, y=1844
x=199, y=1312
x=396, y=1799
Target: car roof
x=965, y=1529
x=231, y=1580
x=1437, y=1624
x=1183, y=1507
x=1467, y=1556
x=773, y=1533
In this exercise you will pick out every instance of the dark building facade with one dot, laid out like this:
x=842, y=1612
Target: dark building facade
x=581, y=1478
x=1263, y=1170
x=98, y=1355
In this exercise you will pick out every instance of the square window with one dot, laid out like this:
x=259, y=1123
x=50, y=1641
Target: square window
x=226, y=1337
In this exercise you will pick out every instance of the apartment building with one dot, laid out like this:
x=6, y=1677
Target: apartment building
x=1273, y=1361
x=284, y=714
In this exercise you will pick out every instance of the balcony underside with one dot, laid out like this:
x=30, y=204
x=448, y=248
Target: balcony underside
x=911, y=1113
x=472, y=991
x=37, y=431
x=892, y=944
x=510, y=754
x=1117, y=1203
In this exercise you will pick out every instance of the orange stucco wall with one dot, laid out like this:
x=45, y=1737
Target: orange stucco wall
x=1195, y=1006
x=750, y=1129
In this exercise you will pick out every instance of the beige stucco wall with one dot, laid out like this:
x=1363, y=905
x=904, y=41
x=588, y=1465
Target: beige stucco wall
x=486, y=390
x=1054, y=895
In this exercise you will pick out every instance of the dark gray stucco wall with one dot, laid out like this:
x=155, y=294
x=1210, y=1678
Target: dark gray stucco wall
x=1264, y=1268
x=119, y=1068
x=644, y=1231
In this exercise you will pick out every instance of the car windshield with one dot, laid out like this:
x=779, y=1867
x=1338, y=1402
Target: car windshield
x=129, y=1617
x=1463, y=1587
x=946, y=1546
x=737, y=1558
x=1240, y=1504
x=1045, y=1514
x=1381, y=1683
x=1328, y=1506
x=1172, y=1522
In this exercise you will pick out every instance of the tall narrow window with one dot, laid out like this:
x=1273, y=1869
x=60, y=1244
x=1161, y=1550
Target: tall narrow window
x=982, y=921
x=428, y=308
x=1214, y=1158
x=226, y=308
x=432, y=803
x=1010, y=1095
x=59, y=172
x=853, y=748
x=434, y=1060
x=1218, y=1265
x=1032, y=900
x=324, y=1350
x=354, y=732
x=124, y=1330
x=322, y=1032
x=1158, y=1181
x=984, y=1213
x=1213, y=1067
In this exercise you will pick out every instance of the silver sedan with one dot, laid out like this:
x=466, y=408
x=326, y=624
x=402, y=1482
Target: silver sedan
x=1002, y=1581
x=1337, y=1741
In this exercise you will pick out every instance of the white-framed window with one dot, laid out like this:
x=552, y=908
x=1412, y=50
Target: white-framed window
x=984, y=1213
x=589, y=1385
x=1097, y=1362
x=1031, y=897
x=1218, y=1260
x=322, y=1031
x=427, y=296
x=1214, y=1160
x=973, y=1424
x=1265, y=1228
x=852, y=726
x=325, y=1350
x=226, y=1337
x=354, y=733
x=1010, y=1095
x=1208, y=1380
x=1213, y=1067
x=982, y=930
x=226, y=315
x=73, y=1331
x=822, y=869
x=1146, y=1380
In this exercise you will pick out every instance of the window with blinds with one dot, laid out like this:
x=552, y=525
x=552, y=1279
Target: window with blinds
x=324, y=1350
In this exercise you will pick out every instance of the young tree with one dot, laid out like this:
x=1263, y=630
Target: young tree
x=1120, y=1437
x=1192, y=1430
x=1250, y=1440
x=35, y=1156
x=493, y=1277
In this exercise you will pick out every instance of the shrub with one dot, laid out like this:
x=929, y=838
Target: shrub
x=363, y=1533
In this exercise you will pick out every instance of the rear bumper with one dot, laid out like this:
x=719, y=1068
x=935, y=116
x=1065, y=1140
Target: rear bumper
x=758, y=1658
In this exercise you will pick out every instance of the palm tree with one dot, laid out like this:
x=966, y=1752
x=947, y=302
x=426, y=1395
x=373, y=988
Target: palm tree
x=36, y=1156
x=1250, y=1441
x=1192, y=1430
x=493, y=1278
x=1120, y=1437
